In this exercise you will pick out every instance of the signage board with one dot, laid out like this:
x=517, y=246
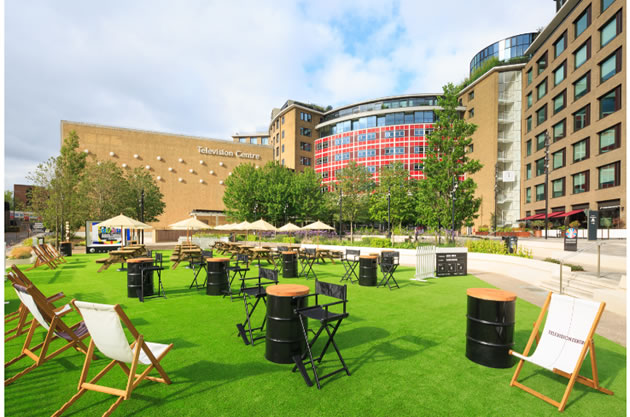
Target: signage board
x=570, y=239
x=101, y=239
x=451, y=264
x=593, y=222
x=509, y=176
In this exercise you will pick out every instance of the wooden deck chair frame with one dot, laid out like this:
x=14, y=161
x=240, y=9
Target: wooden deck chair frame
x=21, y=314
x=42, y=259
x=588, y=347
x=53, y=252
x=45, y=316
x=133, y=379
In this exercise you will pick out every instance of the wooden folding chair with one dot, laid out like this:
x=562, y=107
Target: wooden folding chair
x=566, y=339
x=44, y=315
x=17, y=277
x=103, y=323
x=42, y=259
x=52, y=251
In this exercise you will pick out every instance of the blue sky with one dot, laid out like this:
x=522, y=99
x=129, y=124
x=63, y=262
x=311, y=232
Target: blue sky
x=212, y=68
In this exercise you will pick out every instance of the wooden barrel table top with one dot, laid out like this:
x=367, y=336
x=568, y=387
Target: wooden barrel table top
x=368, y=257
x=491, y=294
x=217, y=259
x=289, y=253
x=138, y=260
x=287, y=290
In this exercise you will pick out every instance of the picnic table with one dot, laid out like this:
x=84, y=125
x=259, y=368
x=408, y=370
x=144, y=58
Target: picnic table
x=258, y=254
x=117, y=256
x=187, y=254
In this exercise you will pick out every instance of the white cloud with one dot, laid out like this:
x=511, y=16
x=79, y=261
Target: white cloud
x=213, y=68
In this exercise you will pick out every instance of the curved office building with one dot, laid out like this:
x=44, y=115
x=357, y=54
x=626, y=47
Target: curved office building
x=504, y=49
x=375, y=133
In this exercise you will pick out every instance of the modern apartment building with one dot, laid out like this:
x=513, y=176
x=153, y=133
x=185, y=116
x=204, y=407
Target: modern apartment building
x=504, y=50
x=574, y=92
x=256, y=138
x=292, y=132
x=375, y=133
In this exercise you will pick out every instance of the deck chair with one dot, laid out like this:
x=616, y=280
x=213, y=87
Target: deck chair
x=56, y=328
x=103, y=323
x=21, y=314
x=389, y=263
x=566, y=339
x=326, y=318
x=42, y=259
x=255, y=292
x=53, y=253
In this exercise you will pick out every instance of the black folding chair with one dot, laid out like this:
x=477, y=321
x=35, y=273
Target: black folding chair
x=328, y=321
x=240, y=268
x=197, y=265
x=277, y=257
x=389, y=263
x=157, y=267
x=256, y=292
x=308, y=259
x=350, y=262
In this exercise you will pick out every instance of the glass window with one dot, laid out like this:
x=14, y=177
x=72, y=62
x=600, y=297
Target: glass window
x=540, y=192
x=529, y=147
x=559, y=102
x=282, y=148
x=560, y=73
x=529, y=100
x=542, y=63
x=580, y=182
x=559, y=130
x=581, y=23
x=529, y=123
x=282, y=119
x=582, y=86
x=611, y=29
x=528, y=171
x=541, y=115
x=582, y=118
x=610, y=139
x=242, y=140
x=560, y=45
x=582, y=54
x=580, y=150
x=264, y=140
x=610, y=66
x=540, y=141
x=305, y=146
x=542, y=89
x=528, y=195
x=609, y=175
x=304, y=131
x=530, y=76
x=557, y=188
x=606, y=3
x=540, y=166
x=610, y=102
x=559, y=159
x=283, y=134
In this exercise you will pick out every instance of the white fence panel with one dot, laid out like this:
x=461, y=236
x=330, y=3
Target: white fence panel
x=425, y=263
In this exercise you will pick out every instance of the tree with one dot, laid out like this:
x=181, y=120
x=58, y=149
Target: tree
x=56, y=195
x=355, y=183
x=447, y=159
x=136, y=181
x=275, y=193
x=307, y=199
x=242, y=196
x=102, y=186
x=394, y=180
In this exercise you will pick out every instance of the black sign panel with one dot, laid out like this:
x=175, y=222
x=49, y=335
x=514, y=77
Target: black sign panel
x=451, y=264
x=570, y=239
x=593, y=222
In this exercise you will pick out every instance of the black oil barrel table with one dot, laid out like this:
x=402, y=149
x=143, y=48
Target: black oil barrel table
x=217, y=276
x=284, y=337
x=289, y=264
x=65, y=248
x=490, y=327
x=367, y=270
x=135, y=277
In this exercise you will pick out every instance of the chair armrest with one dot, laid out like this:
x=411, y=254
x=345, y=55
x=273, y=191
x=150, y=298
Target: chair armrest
x=298, y=297
x=333, y=303
x=56, y=297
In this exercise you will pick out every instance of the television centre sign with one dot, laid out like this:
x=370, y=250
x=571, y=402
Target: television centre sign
x=222, y=152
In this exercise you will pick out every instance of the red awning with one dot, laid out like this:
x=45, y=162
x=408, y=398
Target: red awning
x=527, y=218
x=570, y=213
x=556, y=214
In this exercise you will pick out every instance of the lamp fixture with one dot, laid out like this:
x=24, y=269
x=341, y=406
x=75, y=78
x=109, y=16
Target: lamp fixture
x=170, y=169
x=112, y=153
x=147, y=167
x=124, y=165
x=136, y=156
x=181, y=160
x=159, y=158
x=180, y=179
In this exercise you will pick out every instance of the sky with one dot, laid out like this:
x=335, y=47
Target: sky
x=212, y=68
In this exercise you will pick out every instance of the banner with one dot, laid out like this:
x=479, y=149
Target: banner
x=102, y=236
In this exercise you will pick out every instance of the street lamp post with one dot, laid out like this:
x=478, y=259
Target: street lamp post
x=496, y=195
x=453, y=198
x=546, y=181
x=340, y=211
x=142, y=214
x=389, y=211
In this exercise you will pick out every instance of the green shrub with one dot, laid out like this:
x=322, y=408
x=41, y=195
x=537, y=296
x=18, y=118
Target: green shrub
x=572, y=266
x=29, y=242
x=21, y=252
x=495, y=247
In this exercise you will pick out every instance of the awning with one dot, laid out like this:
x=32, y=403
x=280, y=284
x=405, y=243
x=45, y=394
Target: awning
x=527, y=218
x=570, y=213
x=556, y=214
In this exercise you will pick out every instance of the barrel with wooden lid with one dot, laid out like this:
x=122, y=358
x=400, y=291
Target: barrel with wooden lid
x=490, y=327
x=289, y=264
x=367, y=270
x=135, y=277
x=284, y=335
x=217, y=276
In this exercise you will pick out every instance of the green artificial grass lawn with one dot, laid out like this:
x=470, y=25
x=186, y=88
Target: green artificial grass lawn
x=405, y=349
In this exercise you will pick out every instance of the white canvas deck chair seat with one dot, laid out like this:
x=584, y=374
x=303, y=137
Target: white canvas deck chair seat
x=56, y=329
x=21, y=314
x=103, y=323
x=566, y=339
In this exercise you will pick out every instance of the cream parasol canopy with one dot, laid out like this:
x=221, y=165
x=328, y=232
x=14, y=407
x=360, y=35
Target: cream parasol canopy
x=188, y=224
x=123, y=222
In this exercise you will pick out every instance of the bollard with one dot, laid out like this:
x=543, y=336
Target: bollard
x=561, y=277
x=599, y=248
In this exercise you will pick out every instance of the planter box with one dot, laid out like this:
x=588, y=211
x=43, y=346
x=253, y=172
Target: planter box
x=482, y=233
x=519, y=234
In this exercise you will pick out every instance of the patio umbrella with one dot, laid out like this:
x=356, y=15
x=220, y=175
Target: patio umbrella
x=289, y=227
x=188, y=224
x=123, y=222
x=317, y=226
x=261, y=225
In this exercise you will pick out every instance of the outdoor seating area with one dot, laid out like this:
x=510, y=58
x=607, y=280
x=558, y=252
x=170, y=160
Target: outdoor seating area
x=350, y=340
